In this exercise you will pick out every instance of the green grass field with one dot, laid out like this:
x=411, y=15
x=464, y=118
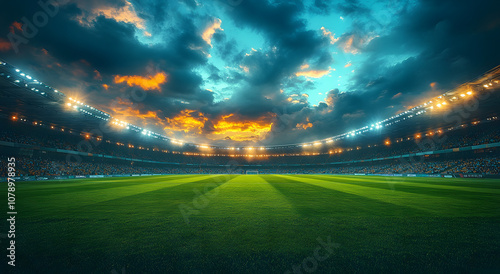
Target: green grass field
x=257, y=224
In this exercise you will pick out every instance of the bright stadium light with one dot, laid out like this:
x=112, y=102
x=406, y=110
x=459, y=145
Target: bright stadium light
x=469, y=92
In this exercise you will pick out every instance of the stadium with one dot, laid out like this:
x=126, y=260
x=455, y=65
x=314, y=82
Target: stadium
x=108, y=167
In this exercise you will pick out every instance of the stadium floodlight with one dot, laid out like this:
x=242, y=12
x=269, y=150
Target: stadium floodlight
x=486, y=86
x=317, y=144
x=462, y=95
x=17, y=70
x=262, y=148
x=29, y=77
x=469, y=92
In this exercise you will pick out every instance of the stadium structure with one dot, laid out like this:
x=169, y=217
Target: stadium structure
x=455, y=134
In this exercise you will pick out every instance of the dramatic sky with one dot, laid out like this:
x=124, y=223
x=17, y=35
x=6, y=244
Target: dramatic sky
x=251, y=71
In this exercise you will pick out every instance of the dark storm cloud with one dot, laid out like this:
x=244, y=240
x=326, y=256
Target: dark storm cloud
x=112, y=47
x=451, y=42
x=289, y=44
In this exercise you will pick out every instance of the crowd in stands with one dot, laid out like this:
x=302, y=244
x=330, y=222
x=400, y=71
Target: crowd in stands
x=27, y=166
x=43, y=137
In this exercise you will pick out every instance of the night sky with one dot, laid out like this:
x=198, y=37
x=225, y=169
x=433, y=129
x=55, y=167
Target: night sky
x=252, y=72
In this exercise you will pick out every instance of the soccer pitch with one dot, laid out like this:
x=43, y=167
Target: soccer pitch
x=257, y=224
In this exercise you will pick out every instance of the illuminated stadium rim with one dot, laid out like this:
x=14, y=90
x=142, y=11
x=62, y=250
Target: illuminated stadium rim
x=438, y=102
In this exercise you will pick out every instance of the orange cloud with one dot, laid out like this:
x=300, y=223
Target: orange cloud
x=4, y=45
x=105, y=86
x=239, y=129
x=97, y=75
x=245, y=68
x=304, y=125
x=330, y=35
x=124, y=14
x=397, y=95
x=16, y=25
x=313, y=73
x=146, y=83
x=348, y=47
x=210, y=30
x=352, y=43
x=187, y=120
x=304, y=66
x=348, y=64
x=123, y=110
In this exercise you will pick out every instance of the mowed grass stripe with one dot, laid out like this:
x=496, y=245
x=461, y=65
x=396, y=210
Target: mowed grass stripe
x=162, y=201
x=486, y=203
x=438, y=181
x=147, y=222
x=482, y=198
x=247, y=195
x=314, y=201
x=78, y=198
x=440, y=206
x=244, y=214
x=397, y=181
x=44, y=188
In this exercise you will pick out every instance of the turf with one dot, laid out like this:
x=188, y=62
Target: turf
x=257, y=224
